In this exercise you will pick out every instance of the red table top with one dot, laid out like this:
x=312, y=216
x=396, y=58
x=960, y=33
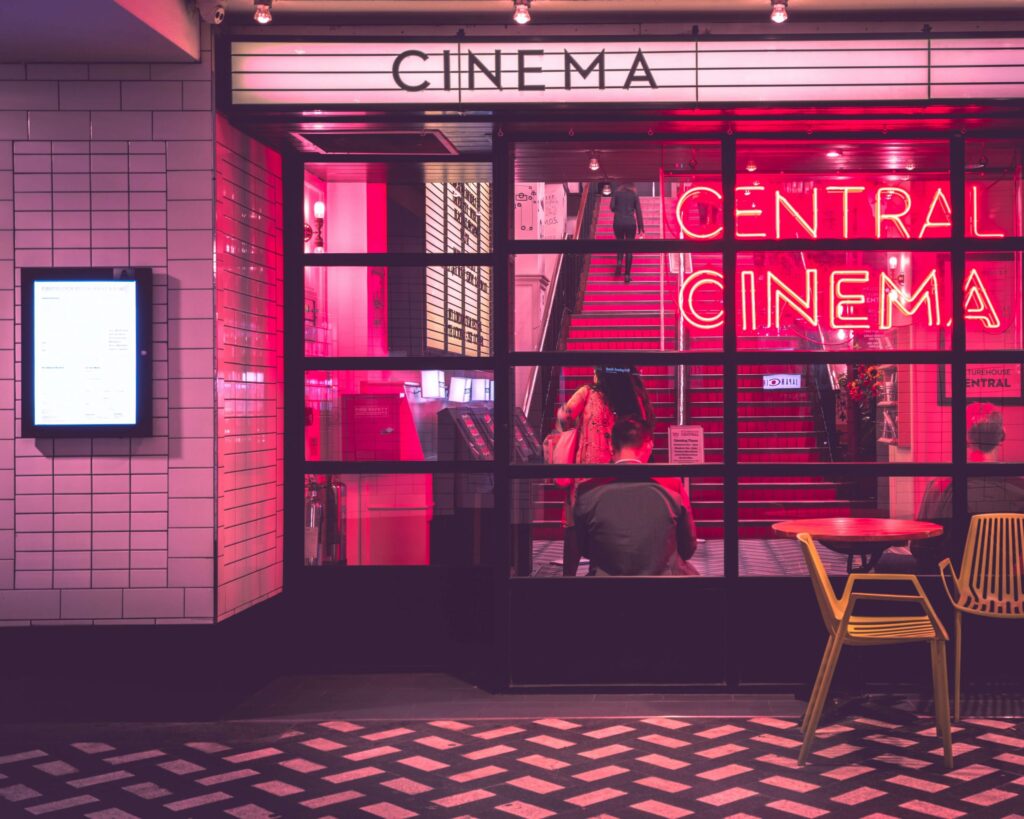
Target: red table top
x=859, y=530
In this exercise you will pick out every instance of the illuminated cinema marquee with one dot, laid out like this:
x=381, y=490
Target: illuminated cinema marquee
x=836, y=300
x=463, y=71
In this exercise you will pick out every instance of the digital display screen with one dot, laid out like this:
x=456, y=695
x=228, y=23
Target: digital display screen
x=84, y=354
x=432, y=384
x=460, y=389
x=483, y=389
x=86, y=369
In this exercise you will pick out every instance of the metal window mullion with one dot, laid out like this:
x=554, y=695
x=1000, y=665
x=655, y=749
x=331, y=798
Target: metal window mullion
x=294, y=353
x=499, y=558
x=730, y=413
x=958, y=366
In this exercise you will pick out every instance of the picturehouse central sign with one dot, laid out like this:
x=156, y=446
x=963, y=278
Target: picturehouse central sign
x=461, y=72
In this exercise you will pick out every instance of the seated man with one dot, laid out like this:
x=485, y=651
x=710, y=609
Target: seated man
x=635, y=526
x=985, y=495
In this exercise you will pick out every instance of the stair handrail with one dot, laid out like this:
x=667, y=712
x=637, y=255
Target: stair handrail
x=826, y=386
x=566, y=288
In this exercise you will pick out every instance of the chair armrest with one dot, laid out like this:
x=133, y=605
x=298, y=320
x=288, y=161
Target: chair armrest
x=899, y=598
x=945, y=565
x=858, y=579
x=850, y=600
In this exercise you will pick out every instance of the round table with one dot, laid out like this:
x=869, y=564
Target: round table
x=867, y=537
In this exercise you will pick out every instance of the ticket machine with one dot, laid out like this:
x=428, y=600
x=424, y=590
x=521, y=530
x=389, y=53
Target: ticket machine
x=464, y=501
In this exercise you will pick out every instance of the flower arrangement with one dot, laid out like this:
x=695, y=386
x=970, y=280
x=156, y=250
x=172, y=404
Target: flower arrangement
x=862, y=383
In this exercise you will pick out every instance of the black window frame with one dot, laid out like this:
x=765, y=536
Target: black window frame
x=504, y=358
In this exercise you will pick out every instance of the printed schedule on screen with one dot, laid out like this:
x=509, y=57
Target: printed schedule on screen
x=85, y=352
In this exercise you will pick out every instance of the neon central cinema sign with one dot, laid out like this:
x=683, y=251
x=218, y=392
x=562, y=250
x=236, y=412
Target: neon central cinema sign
x=835, y=300
x=838, y=299
x=830, y=212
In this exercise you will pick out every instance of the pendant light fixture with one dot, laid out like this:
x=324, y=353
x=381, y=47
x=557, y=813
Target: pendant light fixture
x=780, y=12
x=261, y=11
x=521, y=12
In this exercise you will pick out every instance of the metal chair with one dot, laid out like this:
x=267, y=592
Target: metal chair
x=990, y=582
x=845, y=628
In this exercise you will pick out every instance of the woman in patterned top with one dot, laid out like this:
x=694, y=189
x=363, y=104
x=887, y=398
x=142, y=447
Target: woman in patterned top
x=616, y=393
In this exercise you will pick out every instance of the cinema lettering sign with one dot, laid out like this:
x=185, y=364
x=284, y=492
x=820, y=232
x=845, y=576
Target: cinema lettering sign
x=680, y=70
x=832, y=300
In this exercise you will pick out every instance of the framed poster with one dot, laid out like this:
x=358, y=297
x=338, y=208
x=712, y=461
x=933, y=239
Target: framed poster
x=86, y=359
x=991, y=383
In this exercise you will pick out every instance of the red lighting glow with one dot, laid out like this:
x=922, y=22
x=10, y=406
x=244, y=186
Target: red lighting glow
x=845, y=213
x=845, y=307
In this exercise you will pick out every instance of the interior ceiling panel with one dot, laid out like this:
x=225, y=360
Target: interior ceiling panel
x=457, y=137
x=408, y=173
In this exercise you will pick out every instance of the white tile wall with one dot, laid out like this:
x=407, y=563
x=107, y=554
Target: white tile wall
x=114, y=165
x=249, y=373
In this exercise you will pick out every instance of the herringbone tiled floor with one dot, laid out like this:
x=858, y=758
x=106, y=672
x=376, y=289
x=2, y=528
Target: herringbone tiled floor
x=532, y=768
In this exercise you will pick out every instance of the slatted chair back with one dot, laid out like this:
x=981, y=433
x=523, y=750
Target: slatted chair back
x=992, y=576
x=831, y=611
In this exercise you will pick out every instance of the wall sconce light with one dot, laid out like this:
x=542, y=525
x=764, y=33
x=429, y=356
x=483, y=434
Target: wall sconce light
x=606, y=189
x=319, y=211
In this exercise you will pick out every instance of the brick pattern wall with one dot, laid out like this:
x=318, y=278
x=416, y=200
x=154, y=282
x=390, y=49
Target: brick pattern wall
x=108, y=165
x=250, y=401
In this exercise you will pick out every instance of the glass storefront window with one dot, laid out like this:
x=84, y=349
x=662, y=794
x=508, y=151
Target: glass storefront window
x=398, y=311
x=994, y=193
x=399, y=415
x=566, y=191
x=397, y=208
x=687, y=396
x=807, y=413
x=766, y=500
x=673, y=301
x=992, y=300
x=842, y=190
x=397, y=520
x=539, y=518
x=842, y=412
x=994, y=414
x=853, y=300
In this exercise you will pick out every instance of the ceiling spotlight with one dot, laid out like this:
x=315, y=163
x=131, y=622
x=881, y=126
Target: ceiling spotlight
x=910, y=165
x=833, y=154
x=606, y=189
x=521, y=14
x=261, y=12
x=594, y=164
x=779, y=12
x=751, y=166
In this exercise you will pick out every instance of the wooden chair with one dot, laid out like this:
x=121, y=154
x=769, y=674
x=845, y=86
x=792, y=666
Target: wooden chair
x=990, y=582
x=846, y=628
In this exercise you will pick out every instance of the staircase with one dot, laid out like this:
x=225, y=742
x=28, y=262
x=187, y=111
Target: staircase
x=619, y=316
x=776, y=426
